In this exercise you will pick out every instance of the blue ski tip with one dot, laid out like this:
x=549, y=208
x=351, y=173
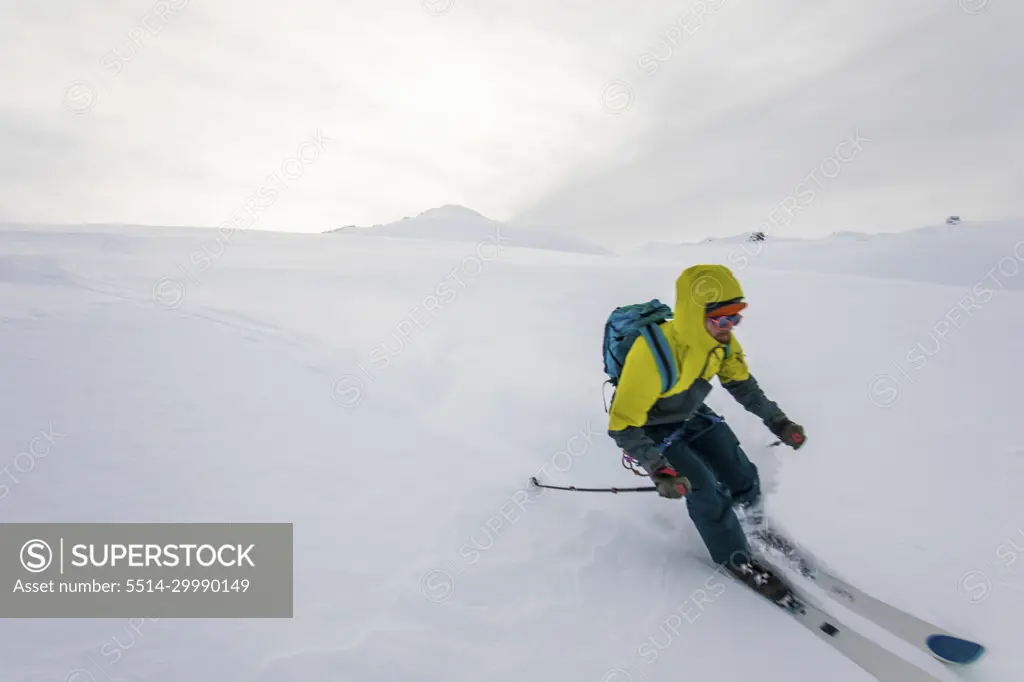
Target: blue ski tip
x=954, y=649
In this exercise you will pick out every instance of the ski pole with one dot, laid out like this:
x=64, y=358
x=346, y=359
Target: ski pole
x=534, y=481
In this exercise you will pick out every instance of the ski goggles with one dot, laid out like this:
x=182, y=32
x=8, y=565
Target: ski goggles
x=725, y=321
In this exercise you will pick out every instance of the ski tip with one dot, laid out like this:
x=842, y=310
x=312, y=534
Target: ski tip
x=955, y=650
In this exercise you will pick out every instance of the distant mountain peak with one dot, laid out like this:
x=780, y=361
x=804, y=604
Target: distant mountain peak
x=450, y=211
x=455, y=223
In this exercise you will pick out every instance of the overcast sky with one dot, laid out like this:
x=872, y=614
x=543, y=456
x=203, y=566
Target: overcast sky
x=615, y=120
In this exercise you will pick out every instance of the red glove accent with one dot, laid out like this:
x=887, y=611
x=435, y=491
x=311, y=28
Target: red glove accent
x=669, y=471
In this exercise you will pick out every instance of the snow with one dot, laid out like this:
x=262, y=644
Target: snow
x=920, y=255
x=391, y=397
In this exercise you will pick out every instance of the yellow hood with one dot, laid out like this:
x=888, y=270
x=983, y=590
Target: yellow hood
x=697, y=286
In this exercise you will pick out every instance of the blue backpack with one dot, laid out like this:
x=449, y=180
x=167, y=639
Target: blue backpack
x=624, y=325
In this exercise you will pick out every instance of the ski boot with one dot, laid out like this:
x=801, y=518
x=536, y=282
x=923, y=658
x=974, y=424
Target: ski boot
x=751, y=517
x=770, y=541
x=764, y=581
x=767, y=541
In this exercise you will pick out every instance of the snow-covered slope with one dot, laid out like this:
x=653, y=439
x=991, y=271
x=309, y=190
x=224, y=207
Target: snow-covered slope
x=392, y=397
x=461, y=224
x=959, y=254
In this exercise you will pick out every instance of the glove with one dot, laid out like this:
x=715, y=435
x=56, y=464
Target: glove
x=670, y=484
x=789, y=433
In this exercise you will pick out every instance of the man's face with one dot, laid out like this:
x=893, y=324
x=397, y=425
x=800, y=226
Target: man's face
x=719, y=329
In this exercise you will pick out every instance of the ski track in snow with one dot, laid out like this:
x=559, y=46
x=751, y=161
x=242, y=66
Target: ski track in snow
x=420, y=554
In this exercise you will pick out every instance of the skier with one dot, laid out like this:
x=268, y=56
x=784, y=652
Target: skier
x=687, y=449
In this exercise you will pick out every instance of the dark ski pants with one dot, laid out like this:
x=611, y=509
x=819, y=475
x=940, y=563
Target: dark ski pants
x=709, y=454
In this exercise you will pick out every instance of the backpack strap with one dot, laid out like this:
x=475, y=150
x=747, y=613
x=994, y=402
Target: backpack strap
x=662, y=353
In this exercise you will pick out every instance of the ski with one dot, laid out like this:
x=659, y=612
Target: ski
x=936, y=641
x=767, y=581
x=873, y=658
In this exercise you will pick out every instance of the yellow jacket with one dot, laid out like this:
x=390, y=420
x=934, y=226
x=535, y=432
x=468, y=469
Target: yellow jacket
x=638, y=399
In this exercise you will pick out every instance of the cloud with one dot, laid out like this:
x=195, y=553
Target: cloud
x=173, y=112
x=179, y=109
x=752, y=102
